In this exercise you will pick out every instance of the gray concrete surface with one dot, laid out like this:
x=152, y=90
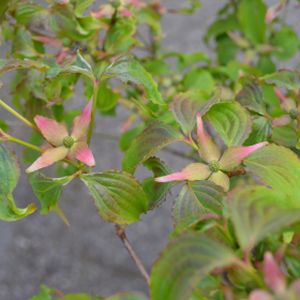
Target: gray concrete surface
x=87, y=257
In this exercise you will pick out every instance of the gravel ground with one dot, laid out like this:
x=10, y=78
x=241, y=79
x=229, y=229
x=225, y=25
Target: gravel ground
x=87, y=256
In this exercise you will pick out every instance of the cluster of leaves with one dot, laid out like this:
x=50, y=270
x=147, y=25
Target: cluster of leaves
x=237, y=215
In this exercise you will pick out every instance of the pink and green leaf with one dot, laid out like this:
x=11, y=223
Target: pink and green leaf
x=234, y=156
x=82, y=122
x=83, y=153
x=48, y=158
x=208, y=150
x=52, y=131
x=192, y=172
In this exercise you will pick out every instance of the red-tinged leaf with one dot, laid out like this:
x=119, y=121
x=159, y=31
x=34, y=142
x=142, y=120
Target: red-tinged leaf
x=154, y=138
x=118, y=196
x=183, y=263
x=258, y=212
x=231, y=121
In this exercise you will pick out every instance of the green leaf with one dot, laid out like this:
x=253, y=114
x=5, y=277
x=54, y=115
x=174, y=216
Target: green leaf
x=183, y=263
x=285, y=136
x=128, y=69
x=257, y=212
x=106, y=97
x=155, y=137
x=195, y=200
x=156, y=191
x=285, y=79
x=48, y=190
x=279, y=168
x=251, y=96
x=25, y=12
x=45, y=293
x=261, y=131
x=185, y=60
x=195, y=4
x=128, y=136
x=208, y=194
x=222, y=26
x=9, y=172
x=81, y=6
x=118, y=196
x=251, y=15
x=199, y=79
x=265, y=64
x=186, y=105
x=151, y=17
x=184, y=109
x=127, y=296
x=22, y=46
x=3, y=125
x=81, y=66
x=65, y=24
x=286, y=42
x=119, y=37
x=16, y=64
x=157, y=67
x=231, y=121
x=226, y=49
x=3, y=8
x=10, y=212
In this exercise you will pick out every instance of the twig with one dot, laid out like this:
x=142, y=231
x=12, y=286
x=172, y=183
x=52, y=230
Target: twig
x=120, y=232
x=93, y=114
x=234, y=4
x=16, y=114
x=240, y=171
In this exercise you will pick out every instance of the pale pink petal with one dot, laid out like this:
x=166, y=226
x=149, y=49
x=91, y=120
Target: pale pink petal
x=273, y=12
x=52, y=131
x=221, y=179
x=208, y=149
x=234, y=156
x=192, y=172
x=274, y=278
x=285, y=102
x=280, y=95
x=137, y=3
x=62, y=54
x=260, y=295
x=48, y=40
x=281, y=121
x=82, y=122
x=82, y=152
x=48, y=158
x=202, y=135
x=126, y=13
x=177, y=176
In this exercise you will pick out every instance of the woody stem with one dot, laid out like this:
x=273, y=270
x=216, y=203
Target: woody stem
x=120, y=232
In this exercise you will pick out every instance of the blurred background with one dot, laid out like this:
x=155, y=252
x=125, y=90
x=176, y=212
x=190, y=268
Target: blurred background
x=87, y=256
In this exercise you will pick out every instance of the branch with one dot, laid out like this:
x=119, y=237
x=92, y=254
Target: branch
x=17, y=115
x=120, y=232
x=239, y=171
